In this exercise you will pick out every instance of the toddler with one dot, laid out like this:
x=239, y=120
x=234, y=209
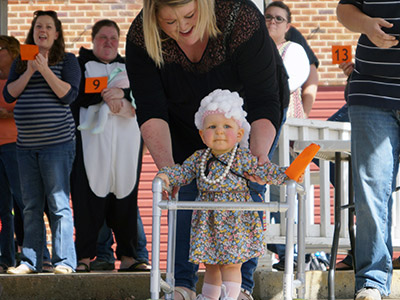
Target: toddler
x=223, y=240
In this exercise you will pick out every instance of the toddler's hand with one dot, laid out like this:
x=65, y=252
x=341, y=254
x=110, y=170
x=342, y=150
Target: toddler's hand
x=301, y=178
x=165, y=179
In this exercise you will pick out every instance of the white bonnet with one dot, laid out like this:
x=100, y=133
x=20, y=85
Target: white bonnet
x=226, y=102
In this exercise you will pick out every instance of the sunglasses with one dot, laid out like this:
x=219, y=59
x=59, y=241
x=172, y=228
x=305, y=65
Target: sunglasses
x=278, y=19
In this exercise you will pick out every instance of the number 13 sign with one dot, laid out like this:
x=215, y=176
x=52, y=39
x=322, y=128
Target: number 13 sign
x=341, y=54
x=95, y=84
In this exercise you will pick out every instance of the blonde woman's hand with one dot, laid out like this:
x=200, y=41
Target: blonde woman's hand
x=262, y=159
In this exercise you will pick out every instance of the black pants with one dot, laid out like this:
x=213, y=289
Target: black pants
x=90, y=212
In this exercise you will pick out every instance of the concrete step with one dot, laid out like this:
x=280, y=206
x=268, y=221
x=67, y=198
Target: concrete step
x=128, y=286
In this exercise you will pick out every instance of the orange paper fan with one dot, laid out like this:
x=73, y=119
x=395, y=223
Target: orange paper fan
x=297, y=167
x=29, y=52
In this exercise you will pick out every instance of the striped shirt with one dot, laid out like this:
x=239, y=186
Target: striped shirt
x=376, y=77
x=41, y=117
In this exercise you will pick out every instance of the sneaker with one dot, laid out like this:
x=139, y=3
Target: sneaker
x=245, y=295
x=60, y=269
x=22, y=269
x=368, y=293
x=280, y=266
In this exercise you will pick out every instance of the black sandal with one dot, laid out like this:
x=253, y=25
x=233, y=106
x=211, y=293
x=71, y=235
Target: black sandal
x=3, y=268
x=86, y=268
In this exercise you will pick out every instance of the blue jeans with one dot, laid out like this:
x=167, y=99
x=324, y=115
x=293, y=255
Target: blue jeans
x=44, y=174
x=10, y=190
x=375, y=149
x=141, y=250
x=342, y=115
x=106, y=240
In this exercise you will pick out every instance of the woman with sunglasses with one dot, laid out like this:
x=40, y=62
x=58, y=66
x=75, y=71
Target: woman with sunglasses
x=278, y=19
x=44, y=88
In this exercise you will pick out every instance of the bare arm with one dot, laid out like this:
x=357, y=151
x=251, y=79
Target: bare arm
x=309, y=90
x=355, y=20
x=262, y=136
x=16, y=87
x=156, y=136
x=58, y=86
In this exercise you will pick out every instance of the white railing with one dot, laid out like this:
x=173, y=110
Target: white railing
x=319, y=236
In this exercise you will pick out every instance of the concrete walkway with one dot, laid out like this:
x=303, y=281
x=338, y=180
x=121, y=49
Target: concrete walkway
x=128, y=286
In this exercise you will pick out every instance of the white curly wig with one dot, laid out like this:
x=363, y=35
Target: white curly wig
x=228, y=103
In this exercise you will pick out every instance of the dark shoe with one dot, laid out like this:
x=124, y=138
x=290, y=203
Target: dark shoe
x=101, y=265
x=343, y=266
x=136, y=267
x=280, y=266
x=3, y=268
x=396, y=263
x=86, y=268
x=47, y=267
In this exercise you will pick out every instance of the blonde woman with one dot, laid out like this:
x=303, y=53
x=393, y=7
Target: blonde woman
x=178, y=51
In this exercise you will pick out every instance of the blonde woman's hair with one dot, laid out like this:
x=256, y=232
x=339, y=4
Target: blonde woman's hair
x=206, y=23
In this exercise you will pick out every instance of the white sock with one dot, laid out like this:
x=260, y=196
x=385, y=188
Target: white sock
x=210, y=291
x=232, y=289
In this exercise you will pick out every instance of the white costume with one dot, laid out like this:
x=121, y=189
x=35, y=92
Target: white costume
x=297, y=66
x=111, y=156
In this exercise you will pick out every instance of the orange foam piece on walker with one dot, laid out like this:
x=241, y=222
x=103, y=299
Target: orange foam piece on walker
x=297, y=167
x=28, y=52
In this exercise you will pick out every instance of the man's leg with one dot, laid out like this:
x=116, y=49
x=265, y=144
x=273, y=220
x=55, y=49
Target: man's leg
x=375, y=159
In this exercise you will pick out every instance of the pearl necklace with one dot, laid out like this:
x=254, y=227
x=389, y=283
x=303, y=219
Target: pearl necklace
x=226, y=171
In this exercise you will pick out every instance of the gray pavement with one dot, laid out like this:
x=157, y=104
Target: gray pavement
x=128, y=286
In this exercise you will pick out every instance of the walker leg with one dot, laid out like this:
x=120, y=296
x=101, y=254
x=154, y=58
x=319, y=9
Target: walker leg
x=289, y=256
x=335, y=243
x=301, y=249
x=155, y=274
x=170, y=279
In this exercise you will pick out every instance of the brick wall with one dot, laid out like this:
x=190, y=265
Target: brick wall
x=316, y=19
